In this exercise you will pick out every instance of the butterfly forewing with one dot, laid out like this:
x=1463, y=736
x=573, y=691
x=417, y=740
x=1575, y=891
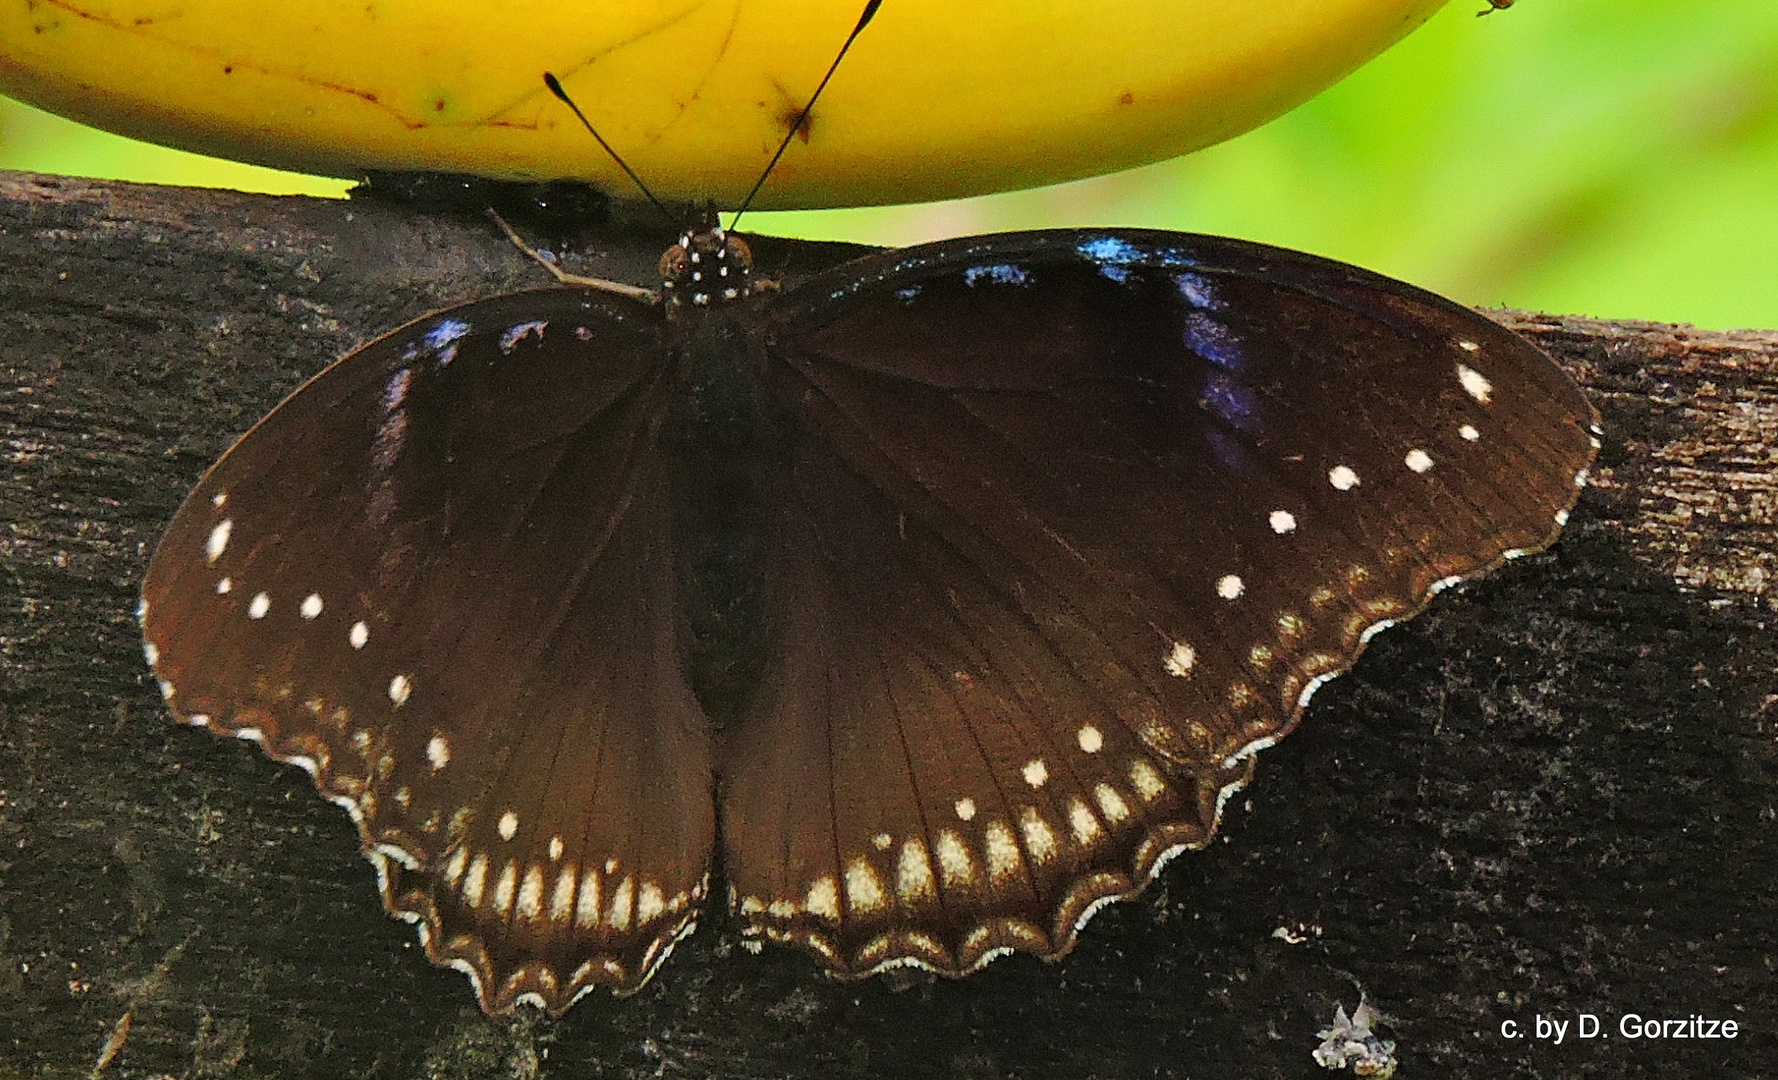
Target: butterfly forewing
x=1069, y=524
x=440, y=576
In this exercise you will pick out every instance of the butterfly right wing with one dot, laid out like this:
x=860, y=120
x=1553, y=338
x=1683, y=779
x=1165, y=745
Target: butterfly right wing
x=450, y=598
x=1067, y=527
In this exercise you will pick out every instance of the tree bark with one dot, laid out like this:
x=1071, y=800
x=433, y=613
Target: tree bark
x=1553, y=794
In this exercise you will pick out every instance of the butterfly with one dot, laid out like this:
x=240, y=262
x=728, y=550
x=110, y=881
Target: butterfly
x=928, y=605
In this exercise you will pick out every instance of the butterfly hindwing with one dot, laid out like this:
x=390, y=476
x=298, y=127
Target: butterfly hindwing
x=464, y=627
x=1067, y=526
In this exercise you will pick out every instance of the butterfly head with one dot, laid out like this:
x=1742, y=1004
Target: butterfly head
x=706, y=267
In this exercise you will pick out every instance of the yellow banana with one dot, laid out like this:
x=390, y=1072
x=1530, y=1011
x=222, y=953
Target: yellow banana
x=936, y=100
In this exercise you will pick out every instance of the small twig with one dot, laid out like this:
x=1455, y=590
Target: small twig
x=120, y=1031
x=634, y=292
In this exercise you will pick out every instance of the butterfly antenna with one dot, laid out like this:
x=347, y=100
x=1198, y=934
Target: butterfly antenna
x=555, y=87
x=870, y=11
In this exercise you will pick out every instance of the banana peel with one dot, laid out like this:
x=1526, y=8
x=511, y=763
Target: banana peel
x=935, y=100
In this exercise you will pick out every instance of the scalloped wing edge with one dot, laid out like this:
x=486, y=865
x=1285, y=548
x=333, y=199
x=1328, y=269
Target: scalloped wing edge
x=1159, y=846
x=536, y=983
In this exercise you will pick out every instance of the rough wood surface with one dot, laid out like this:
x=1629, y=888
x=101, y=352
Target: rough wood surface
x=1555, y=793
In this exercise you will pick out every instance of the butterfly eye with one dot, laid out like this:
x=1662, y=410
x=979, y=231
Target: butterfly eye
x=673, y=263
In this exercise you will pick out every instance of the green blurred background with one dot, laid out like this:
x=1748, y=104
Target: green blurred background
x=1616, y=158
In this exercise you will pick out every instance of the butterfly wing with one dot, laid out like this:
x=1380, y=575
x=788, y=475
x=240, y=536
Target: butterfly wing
x=1070, y=525
x=449, y=597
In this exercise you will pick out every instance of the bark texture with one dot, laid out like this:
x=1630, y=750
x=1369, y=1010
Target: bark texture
x=1554, y=793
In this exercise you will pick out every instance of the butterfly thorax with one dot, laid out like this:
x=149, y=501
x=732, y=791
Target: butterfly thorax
x=705, y=268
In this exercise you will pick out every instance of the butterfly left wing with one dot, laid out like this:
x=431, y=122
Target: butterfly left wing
x=1067, y=527
x=440, y=577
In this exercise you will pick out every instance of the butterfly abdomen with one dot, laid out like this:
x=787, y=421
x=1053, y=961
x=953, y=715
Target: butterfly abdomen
x=716, y=461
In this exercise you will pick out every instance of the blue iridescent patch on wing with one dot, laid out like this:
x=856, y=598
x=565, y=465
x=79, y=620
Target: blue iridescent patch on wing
x=441, y=340
x=395, y=391
x=393, y=429
x=907, y=295
x=1115, y=273
x=515, y=334
x=1199, y=291
x=1116, y=251
x=1232, y=401
x=1229, y=452
x=997, y=274
x=1213, y=341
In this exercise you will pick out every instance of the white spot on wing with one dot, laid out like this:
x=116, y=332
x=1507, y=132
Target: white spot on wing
x=1111, y=803
x=1040, y=839
x=1230, y=587
x=218, y=541
x=1036, y=772
x=954, y=861
x=400, y=689
x=1418, y=460
x=509, y=825
x=623, y=899
x=823, y=898
x=966, y=808
x=311, y=606
x=1469, y=432
x=1282, y=521
x=1090, y=739
x=561, y=903
x=1082, y=823
x=913, y=873
x=650, y=902
x=586, y=906
x=1180, y=659
x=864, y=891
x=359, y=635
x=258, y=606
x=1002, y=852
x=1342, y=478
x=224, y=586
x=1146, y=780
x=531, y=893
x=1475, y=384
x=509, y=877
x=476, y=880
x=438, y=752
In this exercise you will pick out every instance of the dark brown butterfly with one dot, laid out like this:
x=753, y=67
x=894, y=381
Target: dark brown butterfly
x=954, y=589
